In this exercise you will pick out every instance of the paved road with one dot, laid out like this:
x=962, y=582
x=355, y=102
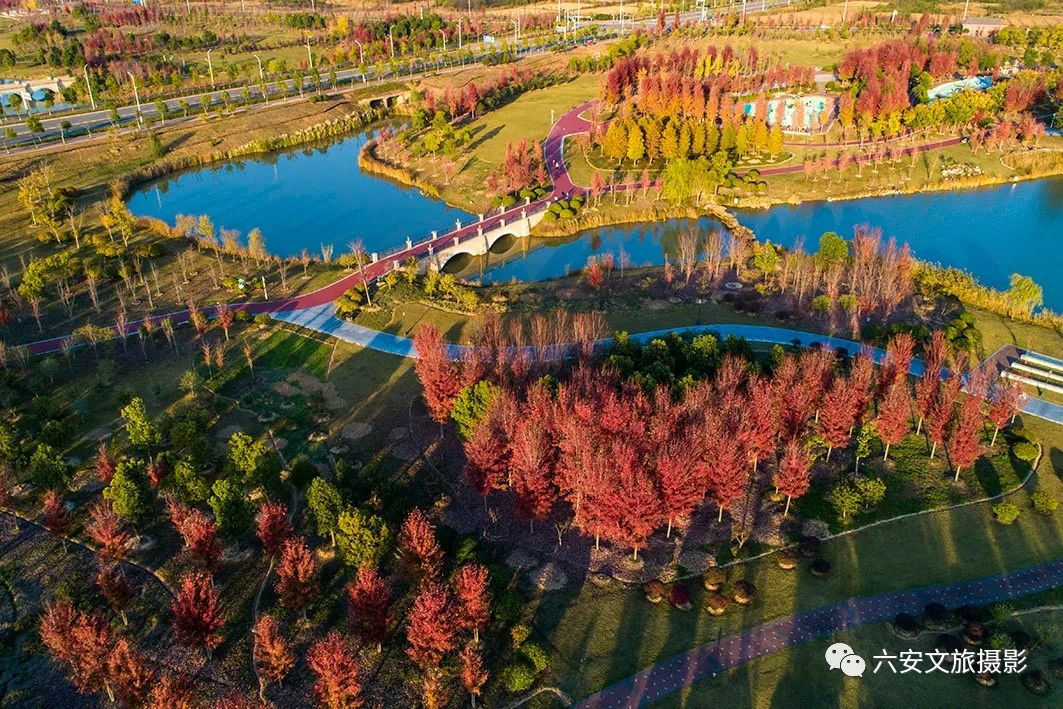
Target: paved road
x=96, y=120
x=706, y=662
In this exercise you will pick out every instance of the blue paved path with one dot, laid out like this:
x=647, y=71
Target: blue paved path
x=323, y=319
x=672, y=675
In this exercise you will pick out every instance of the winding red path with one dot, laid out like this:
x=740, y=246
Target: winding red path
x=569, y=124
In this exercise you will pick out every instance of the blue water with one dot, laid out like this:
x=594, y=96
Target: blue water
x=992, y=232
x=303, y=198
x=300, y=199
x=974, y=83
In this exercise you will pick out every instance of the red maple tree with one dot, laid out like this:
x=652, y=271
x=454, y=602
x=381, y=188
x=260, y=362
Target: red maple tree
x=471, y=671
x=56, y=518
x=297, y=577
x=333, y=660
x=107, y=531
x=127, y=674
x=368, y=600
x=171, y=692
x=838, y=415
x=81, y=641
x=791, y=478
x=105, y=464
x=963, y=445
x=928, y=387
x=894, y=411
x=273, y=656
x=115, y=589
x=430, y=629
x=440, y=377
x=272, y=527
x=198, y=532
x=419, y=551
x=197, y=615
x=473, y=599
x=1006, y=402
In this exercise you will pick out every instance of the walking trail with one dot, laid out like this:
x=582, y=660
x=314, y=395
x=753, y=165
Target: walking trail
x=707, y=661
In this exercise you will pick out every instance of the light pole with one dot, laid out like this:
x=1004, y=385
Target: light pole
x=361, y=54
x=444, y=36
x=391, y=40
x=88, y=85
x=262, y=79
x=136, y=96
x=309, y=56
x=210, y=68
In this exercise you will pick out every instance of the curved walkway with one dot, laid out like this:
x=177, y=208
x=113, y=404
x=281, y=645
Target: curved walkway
x=569, y=124
x=323, y=319
x=707, y=661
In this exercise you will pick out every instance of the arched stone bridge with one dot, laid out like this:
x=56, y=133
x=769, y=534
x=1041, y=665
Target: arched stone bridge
x=479, y=243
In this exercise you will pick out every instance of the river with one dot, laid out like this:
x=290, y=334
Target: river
x=305, y=197
x=300, y=199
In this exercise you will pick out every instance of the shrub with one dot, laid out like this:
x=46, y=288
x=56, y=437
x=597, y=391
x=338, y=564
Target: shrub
x=655, y=590
x=509, y=605
x=1043, y=502
x=1000, y=641
x=261, y=319
x=1024, y=451
x=679, y=597
x=536, y=656
x=1006, y=512
x=820, y=568
x=519, y=634
x=716, y=604
x=744, y=592
x=974, y=633
x=905, y=625
x=809, y=546
x=787, y=559
x=550, y=217
x=714, y=579
x=517, y=677
x=567, y=214
x=937, y=615
x=871, y=491
x=1035, y=681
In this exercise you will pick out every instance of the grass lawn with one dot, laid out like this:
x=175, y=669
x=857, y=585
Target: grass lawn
x=800, y=677
x=528, y=117
x=591, y=630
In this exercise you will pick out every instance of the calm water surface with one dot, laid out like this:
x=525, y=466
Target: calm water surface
x=993, y=232
x=300, y=199
x=303, y=198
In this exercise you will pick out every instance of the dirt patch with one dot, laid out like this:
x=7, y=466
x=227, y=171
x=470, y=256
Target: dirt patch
x=355, y=430
x=311, y=384
x=285, y=389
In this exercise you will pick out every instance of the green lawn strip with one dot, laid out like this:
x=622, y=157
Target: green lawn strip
x=799, y=676
x=601, y=636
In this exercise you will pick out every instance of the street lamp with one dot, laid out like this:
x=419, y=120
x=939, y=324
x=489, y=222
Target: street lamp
x=88, y=85
x=361, y=54
x=136, y=95
x=309, y=56
x=210, y=68
x=261, y=75
x=262, y=79
x=444, y=36
x=391, y=40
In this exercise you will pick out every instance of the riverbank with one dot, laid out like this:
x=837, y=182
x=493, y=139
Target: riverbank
x=369, y=163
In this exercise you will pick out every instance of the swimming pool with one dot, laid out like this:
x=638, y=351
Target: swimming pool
x=974, y=83
x=814, y=107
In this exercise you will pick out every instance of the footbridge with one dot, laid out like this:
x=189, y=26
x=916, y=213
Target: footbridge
x=478, y=243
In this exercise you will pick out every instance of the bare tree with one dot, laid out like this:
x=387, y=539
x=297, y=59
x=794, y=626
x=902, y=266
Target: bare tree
x=326, y=252
x=121, y=325
x=361, y=260
x=688, y=247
